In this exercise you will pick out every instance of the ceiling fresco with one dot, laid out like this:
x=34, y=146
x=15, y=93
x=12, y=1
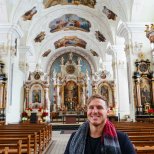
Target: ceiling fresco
x=69, y=22
x=49, y=3
x=70, y=41
x=50, y=25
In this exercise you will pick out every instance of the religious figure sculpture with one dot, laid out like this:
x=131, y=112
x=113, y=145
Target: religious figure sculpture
x=79, y=60
x=62, y=61
x=70, y=56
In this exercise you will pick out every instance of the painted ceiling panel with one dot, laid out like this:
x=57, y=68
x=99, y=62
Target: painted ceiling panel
x=49, y=3
x=69, y=22
x=70, y=41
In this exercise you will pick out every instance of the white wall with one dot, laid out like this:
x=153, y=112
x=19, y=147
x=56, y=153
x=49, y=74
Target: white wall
x=14, y=107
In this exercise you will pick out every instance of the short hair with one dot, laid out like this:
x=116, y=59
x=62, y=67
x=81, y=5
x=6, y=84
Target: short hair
x=97, y=96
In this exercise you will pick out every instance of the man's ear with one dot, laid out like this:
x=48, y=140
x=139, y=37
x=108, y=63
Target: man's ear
x=108, y=111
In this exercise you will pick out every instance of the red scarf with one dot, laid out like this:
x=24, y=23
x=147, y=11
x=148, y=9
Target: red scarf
x=110, y=139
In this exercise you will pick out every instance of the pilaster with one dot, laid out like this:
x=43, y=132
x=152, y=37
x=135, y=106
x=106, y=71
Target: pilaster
x=121, y=81
x=23, y=61
x=8, y=50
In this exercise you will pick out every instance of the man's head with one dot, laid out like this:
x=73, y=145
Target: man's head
x=97, y=110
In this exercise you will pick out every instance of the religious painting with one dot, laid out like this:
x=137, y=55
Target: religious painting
x=109, y=13
x=69, y=22
x=71, y=95
x=106, y=89
x=145, y=90
x=29, y=14
x=100, y=36
x=36, y=96
x=104, y=92
x=70, y=41
x=49, y=3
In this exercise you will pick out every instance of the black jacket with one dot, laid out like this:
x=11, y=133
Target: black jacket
x=125, y=144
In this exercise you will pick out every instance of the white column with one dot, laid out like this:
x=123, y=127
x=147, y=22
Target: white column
x=121, y=81
x=132, y=50
x=8, y=34
x=23, y=64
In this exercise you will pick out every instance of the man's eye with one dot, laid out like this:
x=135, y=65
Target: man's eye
x=91, y=107
x=99, y=107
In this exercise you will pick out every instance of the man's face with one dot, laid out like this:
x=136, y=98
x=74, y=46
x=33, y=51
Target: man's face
x=97, y=112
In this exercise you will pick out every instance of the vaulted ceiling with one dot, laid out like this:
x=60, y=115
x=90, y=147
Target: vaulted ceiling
x=88, y=26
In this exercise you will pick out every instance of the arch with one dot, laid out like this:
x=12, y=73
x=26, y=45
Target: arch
x=81, y=52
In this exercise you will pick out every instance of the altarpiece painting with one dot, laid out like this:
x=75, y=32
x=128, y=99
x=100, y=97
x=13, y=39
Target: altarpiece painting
x=71, y=95
x=106, y=89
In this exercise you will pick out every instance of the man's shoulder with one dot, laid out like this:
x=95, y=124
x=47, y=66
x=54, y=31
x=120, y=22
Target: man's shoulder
x=72, y=135
x=122, y=135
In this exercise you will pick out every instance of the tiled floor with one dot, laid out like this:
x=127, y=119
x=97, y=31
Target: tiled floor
x=59, y=143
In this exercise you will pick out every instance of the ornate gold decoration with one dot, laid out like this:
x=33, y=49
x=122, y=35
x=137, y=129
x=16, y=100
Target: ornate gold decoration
x=150, y=32
x=141, y=55
x=37, y=76
x=70, y=69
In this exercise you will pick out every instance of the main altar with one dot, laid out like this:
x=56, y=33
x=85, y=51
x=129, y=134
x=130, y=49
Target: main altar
x=70, y=86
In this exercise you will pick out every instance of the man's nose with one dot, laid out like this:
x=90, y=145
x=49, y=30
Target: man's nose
x=95, y=109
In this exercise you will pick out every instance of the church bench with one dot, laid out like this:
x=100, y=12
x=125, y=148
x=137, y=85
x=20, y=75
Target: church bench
x=143, y=143
x=10, y=142
x=136, y=130
x=37, y=140
x=142, y=138
x=43, y=137
x=34, y=141
x=2, y=122
x=139, y=133
x=13, y=148
x=145, y=150
x=48, y=129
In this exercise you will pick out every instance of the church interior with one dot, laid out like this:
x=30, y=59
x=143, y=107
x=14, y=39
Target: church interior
x=55, y=54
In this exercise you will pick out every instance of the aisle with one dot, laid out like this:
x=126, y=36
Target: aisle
x=59, y=143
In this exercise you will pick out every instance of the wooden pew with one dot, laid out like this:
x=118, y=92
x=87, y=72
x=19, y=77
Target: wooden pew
x=38, y=142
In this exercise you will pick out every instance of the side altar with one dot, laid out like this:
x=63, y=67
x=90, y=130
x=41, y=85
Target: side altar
x=36, y=97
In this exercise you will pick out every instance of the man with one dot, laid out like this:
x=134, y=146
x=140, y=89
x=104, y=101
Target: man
x=98, y=135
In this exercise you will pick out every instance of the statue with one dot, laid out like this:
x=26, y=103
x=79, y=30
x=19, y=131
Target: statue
x=62, y=61
x=70, y=56
x=79, y=60
x=54, y=73
x=87, y=75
